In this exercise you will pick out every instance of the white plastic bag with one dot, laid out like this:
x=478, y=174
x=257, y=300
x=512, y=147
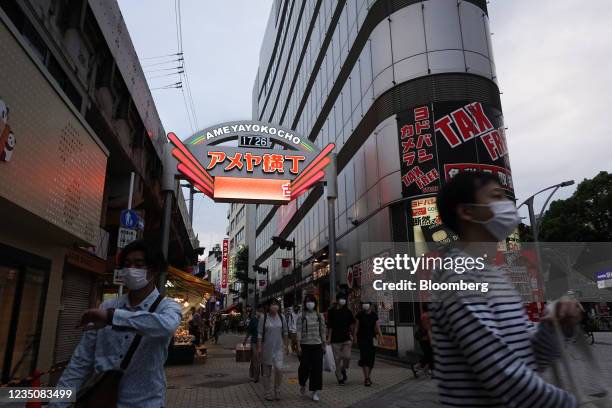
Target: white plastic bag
x=568, y=381
x=329, y=364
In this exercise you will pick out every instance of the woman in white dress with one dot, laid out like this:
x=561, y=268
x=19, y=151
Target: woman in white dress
x=271, y=345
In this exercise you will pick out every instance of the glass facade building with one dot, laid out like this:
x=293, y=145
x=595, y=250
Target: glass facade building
x=364, y=75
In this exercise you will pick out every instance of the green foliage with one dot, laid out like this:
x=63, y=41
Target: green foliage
x=584, y=217
x=241, y=261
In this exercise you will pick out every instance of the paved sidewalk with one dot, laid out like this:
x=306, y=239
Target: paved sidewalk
x=222, y=382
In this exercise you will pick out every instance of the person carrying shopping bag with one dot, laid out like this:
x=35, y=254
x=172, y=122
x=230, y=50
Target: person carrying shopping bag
x=252, y=331
x=271, y=345
x=311, y=343
x=340, y=326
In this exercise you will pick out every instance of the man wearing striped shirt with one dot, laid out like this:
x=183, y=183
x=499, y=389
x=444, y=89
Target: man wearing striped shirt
x=486, y=350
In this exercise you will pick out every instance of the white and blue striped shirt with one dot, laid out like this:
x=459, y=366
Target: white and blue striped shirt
x=486, y=350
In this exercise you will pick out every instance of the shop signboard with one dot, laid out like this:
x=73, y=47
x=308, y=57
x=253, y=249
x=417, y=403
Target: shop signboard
x=604, y=279
x=224, y=264
x=439, y=140
x=126, y=236
x=250, y=162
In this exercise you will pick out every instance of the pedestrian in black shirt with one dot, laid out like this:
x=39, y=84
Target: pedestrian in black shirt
x=340, y=333
x=367, y=328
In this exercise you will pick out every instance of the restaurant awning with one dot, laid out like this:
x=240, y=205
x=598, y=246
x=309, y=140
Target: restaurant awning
x=190, y=282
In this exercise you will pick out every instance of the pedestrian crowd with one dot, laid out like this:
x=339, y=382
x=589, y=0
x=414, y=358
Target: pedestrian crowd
x=482, y=348
x=304, y=331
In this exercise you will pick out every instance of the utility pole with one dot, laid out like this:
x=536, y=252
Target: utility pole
x=294, y=269
x=168, y=185
x=332, y=193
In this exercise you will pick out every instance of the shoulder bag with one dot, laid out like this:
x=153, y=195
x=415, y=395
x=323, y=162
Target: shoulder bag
x=102, y=389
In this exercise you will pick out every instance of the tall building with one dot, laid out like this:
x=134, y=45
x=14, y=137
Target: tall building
x=407, y=91
x=77, y=119
x=240, y=232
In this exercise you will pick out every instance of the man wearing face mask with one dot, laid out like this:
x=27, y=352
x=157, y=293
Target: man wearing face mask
x=340, y=325
x=110, y=330
x=486, y=350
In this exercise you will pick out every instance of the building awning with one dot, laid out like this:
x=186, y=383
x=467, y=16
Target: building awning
x=189, y=281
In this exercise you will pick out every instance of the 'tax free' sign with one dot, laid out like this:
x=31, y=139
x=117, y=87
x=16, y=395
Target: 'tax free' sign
x=471, y=122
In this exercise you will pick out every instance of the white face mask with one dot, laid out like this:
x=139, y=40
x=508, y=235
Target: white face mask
x=342, y=302
x=365, y=306
x=135, y=278
x=505, y=218
x=310, y=305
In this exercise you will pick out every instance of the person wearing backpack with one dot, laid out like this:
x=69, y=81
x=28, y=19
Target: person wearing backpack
x=311, y=345
x=271, y=343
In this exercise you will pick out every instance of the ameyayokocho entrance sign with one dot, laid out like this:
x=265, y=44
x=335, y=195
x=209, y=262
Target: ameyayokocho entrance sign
x=249, y=161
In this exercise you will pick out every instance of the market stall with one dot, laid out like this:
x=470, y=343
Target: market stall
x=190, y=292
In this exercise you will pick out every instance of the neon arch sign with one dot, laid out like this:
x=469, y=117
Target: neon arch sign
x=271, y=164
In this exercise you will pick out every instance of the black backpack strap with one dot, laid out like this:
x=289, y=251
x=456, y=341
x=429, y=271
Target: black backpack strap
x=138, y=338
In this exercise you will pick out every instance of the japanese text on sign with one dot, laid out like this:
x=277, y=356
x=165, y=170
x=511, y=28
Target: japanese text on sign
x=417, y=149
x=269, y=162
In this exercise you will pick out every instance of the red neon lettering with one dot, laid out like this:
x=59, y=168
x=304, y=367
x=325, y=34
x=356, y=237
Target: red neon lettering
x=420, y=126
x=235, y=161
x=464, y=124
x=407, y=131
x=482, y=121
x=421, y=113
x=495, y=144
x=423, y=156
x=251, y=160
x=216, y=158
x=295, y=163
x=273, y=163
x=426, y=139
x=443, y=125
x=408, y=158
x=408, y=145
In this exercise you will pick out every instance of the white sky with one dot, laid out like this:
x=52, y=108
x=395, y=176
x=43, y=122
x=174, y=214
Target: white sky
x=553, y=58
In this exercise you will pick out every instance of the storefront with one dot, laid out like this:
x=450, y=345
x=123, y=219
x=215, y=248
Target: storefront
x=79, y=292
x=190, y=292
x=48, y=206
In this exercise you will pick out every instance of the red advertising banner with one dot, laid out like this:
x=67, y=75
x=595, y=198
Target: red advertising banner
x=439, y=140
x=224, y=264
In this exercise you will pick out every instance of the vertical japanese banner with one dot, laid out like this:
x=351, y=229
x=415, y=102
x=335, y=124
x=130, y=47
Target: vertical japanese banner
x=418, y=152
x=224, y=269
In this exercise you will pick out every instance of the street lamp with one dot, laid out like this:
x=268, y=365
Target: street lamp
x=534, y=223
x=285, y=244
x=529, y=202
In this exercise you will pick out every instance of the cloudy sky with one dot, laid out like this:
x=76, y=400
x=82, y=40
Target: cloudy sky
x=554, y=59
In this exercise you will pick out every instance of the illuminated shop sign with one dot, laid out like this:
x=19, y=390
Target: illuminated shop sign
x=250, y=161
x=441, y=139
x=224, y=266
